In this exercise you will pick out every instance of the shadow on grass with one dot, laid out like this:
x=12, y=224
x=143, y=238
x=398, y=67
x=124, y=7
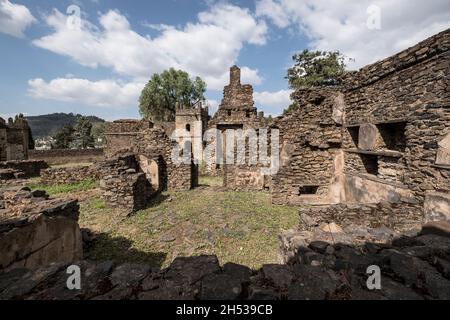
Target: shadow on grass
x=157, y=200
x=104, y=246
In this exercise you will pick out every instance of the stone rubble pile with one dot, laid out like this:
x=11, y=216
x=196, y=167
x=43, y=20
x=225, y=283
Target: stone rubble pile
x=416, y=267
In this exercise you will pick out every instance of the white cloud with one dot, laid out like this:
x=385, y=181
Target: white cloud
x=213, y=106
x=206, y=48
x=276, y=101
x=104, y=93
x=342, y=25
x=14, y=18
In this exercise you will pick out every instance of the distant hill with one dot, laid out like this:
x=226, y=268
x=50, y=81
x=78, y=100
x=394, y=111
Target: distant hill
x=46, y=125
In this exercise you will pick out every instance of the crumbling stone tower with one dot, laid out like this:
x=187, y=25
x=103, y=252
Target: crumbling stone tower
x=237, y=107
x=191, y=123
x=237, y=112
x=14, y=139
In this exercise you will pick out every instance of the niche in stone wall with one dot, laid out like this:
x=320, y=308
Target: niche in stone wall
x=305, y=190
x=354, y=134
x=392, y=136
x=370, y=163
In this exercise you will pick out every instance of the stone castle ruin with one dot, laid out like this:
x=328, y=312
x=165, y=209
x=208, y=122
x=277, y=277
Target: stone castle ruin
x=14, y=139
x=15, y=142
x=381, y=137
x=363, y=161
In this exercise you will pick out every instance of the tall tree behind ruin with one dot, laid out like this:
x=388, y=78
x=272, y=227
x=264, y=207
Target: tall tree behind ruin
x=83, y=138
x=63, y=138
x=315, y=69
x=161, y=94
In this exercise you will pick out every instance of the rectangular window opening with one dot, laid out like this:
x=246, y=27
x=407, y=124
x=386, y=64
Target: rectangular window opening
x=393, y=135
x=308, y=190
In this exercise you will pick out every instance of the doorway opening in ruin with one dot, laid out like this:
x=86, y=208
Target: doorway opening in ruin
x=370, y=163
x=305, y=190
x=188, y=128
x=393, y=135
x=151, y=169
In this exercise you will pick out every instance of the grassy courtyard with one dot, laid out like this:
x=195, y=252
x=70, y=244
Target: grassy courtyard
x=240, y=227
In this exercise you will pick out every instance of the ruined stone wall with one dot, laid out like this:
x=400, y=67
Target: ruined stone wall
x=121, y=135
x=387, y=129
x=35, y=231
x=237, y=105
x=237, y=112
x=310, y=141
x=54, y=176
x=172, y=176
x=123, y=185
x=151, y=143
x=27, y=168
x=397, y=112
x=399, y=216
x=14, y=139
x=65, y=156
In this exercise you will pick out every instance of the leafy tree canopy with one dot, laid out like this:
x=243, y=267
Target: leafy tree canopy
x=63, y=137
x=316, y=69
x=83, y=138
x=160, y=96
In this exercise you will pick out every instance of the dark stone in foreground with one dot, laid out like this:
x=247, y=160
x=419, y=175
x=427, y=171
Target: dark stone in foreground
x=412, y=268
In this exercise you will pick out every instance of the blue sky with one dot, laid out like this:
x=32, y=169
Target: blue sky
x=99, y=66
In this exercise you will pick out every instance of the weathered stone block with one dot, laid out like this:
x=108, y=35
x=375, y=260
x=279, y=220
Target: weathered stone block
x=368, y=137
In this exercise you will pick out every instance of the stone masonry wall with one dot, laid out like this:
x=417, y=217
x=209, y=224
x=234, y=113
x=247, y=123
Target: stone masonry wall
x=389, y=121
x=406, y=94
x=14, y=139
x=35, y=231
x=310, y=140
x=27, y=168
x=59, y=156
x=54, y=176
x=123, y=186
x=121, y=135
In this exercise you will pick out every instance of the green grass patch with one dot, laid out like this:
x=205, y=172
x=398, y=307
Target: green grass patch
x=210, y=181
x=65, y=188
x=239, y=227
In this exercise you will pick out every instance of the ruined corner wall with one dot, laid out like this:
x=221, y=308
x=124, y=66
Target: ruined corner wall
x=397, y=121
x=155, y=145
x=310, y=154
x=26, y=168
x=35, y=231
x=14, y=139
x=152, y=146
x=383, y=136
x=121, y=135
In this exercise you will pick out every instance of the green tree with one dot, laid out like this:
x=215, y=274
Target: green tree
x=161, y=94
x=83, y=137
x=316, y=69
x=63, y=138
x=98, y=133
